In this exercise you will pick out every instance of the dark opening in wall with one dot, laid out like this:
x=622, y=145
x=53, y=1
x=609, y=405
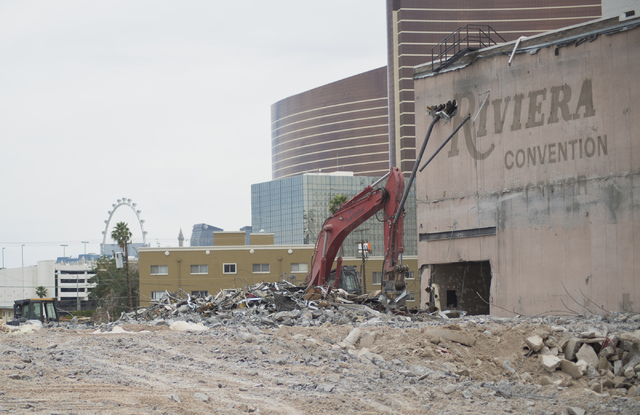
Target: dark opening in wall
x=452, y=300
x=461, y=286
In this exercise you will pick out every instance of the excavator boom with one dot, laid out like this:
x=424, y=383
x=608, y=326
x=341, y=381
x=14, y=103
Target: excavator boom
x=367, y=203
x=353, y=213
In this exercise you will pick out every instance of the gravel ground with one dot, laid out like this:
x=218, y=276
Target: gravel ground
x=237, y=363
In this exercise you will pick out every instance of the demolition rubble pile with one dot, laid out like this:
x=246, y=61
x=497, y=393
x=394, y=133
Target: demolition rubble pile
x=237, y=353
x=604, y=359
x=267, y=304
x=601, y=354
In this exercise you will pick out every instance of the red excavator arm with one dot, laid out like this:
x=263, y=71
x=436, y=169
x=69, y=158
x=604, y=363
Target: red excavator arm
x=353, y=213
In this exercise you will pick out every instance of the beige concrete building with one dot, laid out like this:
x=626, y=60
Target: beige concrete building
x=537, y=198
x=205, y=270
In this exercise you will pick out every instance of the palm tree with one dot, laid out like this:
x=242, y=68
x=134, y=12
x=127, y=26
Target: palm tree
x=41, y=291
x=336, y=202
x=121, y=235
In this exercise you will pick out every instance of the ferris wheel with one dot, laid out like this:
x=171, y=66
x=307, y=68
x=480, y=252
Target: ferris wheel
x=122, y=202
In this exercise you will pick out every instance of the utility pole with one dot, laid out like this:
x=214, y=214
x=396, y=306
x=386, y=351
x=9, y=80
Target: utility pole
x=364, y=274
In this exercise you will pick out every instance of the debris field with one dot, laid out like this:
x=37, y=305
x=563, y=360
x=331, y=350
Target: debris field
x=320, y=356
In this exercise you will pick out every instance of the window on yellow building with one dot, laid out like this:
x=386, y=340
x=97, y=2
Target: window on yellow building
x=199, y=269
x=159, y=269
x=299, y=267
x=229, y=269
x=260, y=268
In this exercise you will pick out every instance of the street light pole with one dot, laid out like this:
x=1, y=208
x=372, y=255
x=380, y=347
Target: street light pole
x=22, y=249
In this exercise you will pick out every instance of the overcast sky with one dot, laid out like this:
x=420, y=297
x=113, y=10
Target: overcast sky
x=166, y=103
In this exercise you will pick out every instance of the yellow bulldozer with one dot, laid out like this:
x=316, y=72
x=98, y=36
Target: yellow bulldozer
x=42, y=309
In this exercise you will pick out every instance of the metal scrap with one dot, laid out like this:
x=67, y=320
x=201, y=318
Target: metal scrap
x=266, y=298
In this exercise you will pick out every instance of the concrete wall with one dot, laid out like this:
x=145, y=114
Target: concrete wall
x=261, y=239
x=228, y=238
x=551, y=161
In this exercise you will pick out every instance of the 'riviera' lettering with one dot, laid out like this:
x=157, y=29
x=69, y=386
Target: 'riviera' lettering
x=538, y=112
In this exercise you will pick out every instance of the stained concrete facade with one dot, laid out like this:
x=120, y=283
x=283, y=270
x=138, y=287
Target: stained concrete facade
x=542, y=184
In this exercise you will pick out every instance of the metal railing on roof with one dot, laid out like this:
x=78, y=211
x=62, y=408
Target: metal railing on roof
x=464, y=39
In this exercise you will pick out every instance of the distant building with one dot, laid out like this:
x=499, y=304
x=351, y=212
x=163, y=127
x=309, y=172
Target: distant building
x=294, y=209
x=73, y=287
x=230, y=263
x=81, y=260
x=202, y=234
x=180, y=238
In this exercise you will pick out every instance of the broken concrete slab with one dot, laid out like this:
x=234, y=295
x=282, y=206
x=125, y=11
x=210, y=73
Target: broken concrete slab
x=587, y=354
x=631, y=337
x=187, y=326
x=353, y=336
x=453, y=335
x=589, y=334
x=633, y=358
x=572, y=369
x=629, y=373
x=571, y=348
x=550, y=362
x=534, y=342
